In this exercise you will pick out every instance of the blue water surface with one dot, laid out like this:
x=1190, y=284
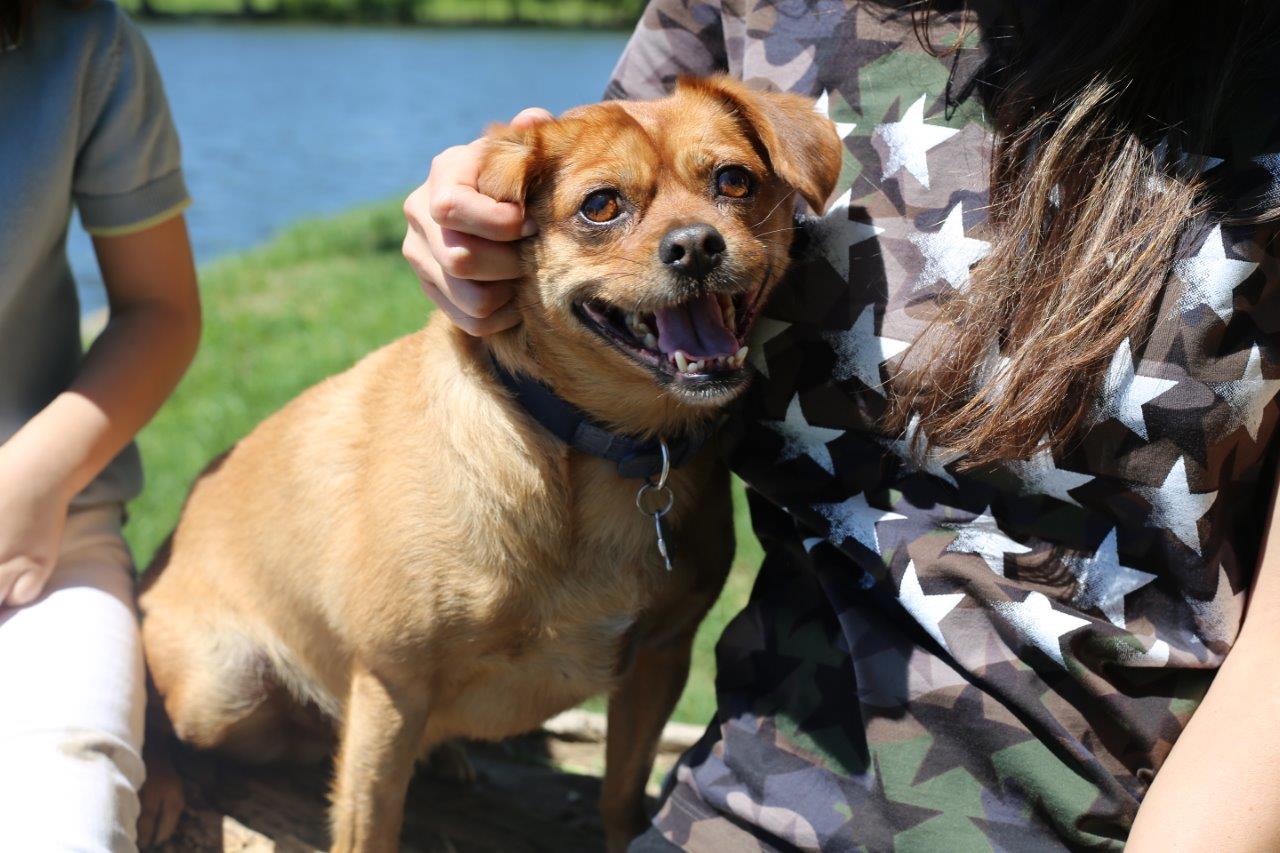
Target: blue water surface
x=280, y=123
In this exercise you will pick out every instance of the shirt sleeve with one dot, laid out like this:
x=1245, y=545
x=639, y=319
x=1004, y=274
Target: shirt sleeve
x=128, y=172
x=674, y=37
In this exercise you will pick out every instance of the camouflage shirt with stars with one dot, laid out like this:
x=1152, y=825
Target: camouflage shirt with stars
x=942, y=660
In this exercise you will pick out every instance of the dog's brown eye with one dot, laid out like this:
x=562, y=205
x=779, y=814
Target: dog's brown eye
x=602, y=206
x=733, y=182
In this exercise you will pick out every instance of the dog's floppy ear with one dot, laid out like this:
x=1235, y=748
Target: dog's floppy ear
x=802, y=146
x=510, y=164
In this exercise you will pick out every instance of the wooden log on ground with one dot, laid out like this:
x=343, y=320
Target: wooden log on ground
x=533, y=793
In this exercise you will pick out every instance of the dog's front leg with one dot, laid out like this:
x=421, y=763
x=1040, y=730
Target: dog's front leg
x=381, y=732
x=638, y=709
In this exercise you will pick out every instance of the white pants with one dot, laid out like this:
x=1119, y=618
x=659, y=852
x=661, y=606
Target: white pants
x=71, y=700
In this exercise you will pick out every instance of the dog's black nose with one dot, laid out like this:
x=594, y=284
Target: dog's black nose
x=692, y=249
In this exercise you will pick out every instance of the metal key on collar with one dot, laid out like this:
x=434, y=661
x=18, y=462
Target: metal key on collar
x=660, y=504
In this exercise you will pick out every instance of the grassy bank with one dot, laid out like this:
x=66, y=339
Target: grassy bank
x=533, y=13
x=280, y=318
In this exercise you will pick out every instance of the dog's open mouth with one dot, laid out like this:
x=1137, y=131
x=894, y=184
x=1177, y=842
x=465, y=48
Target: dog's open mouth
x=698, y=339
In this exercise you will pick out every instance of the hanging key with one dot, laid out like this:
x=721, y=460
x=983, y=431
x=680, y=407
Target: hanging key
x=662, y=540
x=656, y=501
x=655, y=498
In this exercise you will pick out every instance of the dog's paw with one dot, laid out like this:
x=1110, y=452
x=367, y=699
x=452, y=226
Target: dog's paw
x=449, y=762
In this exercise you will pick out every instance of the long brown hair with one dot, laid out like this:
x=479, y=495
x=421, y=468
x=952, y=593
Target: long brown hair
x=1101, y=112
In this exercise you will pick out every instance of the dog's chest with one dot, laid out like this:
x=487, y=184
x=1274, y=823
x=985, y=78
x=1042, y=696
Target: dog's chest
x=559, y=637
x=545, y=663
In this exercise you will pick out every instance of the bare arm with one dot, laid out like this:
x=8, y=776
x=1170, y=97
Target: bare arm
x=134, y=365
x=1220, y=787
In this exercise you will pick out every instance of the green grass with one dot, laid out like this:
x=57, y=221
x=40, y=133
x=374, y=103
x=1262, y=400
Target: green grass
x=282, y=317
x=544, y=13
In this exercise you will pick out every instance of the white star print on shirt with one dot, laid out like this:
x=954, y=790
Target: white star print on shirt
x=766, y=329
x=822, y=107
x=854, y=518
x=983, y=537
x=927, y=609
x=800, y=438
x=948, y=254
x=1248, y=396
x=1041, y=475
x=839, y=233
x=1124, y=392
x=1210, y=277
x=1102, y=582
x=935, y=459
x=993, y=373
x=1174, y=506
x=1039, y=624
x=1202, y=162
x=906, y=142
x=1156, y=656
x=1219, y=617
x=860, y=351
x=1158, y=184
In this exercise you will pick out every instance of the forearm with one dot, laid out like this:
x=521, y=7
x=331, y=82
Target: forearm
x=1219, y=788
x=127, y=374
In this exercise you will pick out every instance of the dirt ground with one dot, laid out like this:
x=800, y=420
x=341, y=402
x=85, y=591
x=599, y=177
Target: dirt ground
x=534, y=793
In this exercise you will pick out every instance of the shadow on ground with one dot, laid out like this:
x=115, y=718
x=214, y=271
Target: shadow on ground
x=521, y=800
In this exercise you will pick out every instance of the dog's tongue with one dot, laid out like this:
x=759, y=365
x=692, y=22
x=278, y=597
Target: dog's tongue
x=697, y=327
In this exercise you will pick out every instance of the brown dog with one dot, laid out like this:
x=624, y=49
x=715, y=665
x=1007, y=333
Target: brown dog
x=405, y=551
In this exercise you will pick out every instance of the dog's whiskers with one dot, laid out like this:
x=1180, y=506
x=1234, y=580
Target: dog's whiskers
x=779, y=231
x=776, y=205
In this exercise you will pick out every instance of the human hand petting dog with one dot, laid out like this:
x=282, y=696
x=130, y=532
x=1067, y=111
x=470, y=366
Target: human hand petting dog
x=33, y=511
x=458, y=240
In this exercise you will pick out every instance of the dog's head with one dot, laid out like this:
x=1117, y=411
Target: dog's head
x=663, y=227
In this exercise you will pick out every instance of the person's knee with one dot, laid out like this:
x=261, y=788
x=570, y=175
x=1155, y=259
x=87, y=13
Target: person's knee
x=98, y=747
x=69, y=788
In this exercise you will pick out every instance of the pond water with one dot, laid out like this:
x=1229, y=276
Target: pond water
x=280, y=123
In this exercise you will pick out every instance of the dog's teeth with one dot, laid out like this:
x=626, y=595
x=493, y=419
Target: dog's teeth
x=727, y=311
x=695, y=367
x=636, y=325
x=682, y=363
x=650, y=341
x=740, y=356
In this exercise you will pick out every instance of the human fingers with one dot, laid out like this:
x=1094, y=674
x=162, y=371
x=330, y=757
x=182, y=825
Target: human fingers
x=28, y=580
x=503, y=318
x=450, y=199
